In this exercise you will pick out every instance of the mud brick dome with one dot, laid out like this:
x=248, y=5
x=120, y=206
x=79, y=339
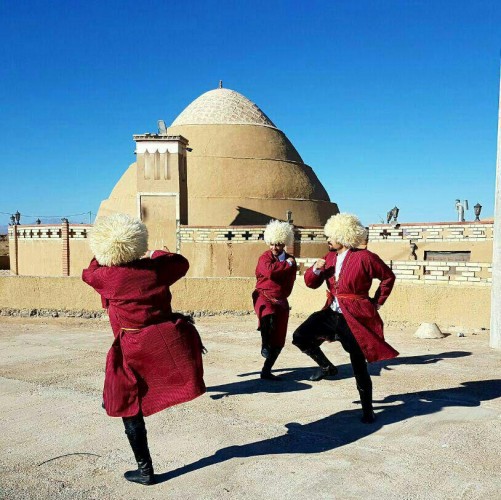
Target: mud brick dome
x=240, y=168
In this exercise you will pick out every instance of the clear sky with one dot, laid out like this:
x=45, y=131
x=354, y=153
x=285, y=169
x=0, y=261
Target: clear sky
x=390, y=102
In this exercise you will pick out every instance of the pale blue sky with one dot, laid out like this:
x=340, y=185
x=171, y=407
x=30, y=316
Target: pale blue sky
x=390, y=102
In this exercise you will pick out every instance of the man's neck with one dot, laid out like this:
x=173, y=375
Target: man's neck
x=342, y=250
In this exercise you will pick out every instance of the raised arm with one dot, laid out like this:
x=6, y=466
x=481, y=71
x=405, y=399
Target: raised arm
x=93, y=276
x=315, y=275
x=273, y=269
x=173, y=265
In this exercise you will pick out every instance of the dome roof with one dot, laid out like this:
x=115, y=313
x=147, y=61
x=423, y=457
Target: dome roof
x=222, y=107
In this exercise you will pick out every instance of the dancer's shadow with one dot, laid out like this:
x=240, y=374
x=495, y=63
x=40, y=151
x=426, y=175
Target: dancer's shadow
x=344, y=427
x=426, y=359
x=375, y=369
x=256, y=385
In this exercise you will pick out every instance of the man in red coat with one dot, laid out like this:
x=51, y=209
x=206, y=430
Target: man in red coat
x=275, y=274
x=350, y=316
x=155, y=360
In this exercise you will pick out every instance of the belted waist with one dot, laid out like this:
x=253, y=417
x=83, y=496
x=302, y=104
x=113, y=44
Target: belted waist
x=273, y=300
x=349, y=296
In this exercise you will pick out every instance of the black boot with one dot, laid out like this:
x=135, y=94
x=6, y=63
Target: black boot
x=135, y=430
x=368, y=415
x=268, y=365
x=326, y=368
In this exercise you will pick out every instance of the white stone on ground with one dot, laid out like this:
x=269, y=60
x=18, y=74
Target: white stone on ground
x=429, y=331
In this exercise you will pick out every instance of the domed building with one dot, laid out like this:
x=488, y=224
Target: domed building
x=239, y=168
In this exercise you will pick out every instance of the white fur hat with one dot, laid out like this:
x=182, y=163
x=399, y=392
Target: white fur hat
x=345, y=229
x=279, y=232
x=118, y=239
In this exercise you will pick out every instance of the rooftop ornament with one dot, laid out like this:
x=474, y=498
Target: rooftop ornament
x=477, y=209
x=38, y=222
x=288, y=216
x=17, y=215
x=12, y=220
x=392, y=214
x=460, y=208
x=162, y=128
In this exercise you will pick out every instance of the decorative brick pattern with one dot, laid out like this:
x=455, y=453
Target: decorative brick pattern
x=222, y=106
x=242, y=234
x=464, y=231
x=45, y=232
x=451, y=273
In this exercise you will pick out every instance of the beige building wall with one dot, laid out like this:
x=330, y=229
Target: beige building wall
x=234, y=250
x=80, y=256
x=41, y=250
x=40, y=257
x=212, y=251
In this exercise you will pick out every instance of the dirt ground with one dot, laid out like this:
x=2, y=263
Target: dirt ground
x=437, y=435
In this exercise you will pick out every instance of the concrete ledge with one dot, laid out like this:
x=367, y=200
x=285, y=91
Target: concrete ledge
x=466, y=306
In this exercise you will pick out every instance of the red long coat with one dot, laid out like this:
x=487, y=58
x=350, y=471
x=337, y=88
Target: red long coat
x=359, y=268
x=155, y=361
x=274, y=284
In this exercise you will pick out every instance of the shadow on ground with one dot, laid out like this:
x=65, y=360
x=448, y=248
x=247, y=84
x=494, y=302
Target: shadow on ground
x=344, y=427
x=293, y=377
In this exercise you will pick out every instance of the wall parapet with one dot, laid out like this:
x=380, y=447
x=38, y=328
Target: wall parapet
x=242, y=234
x=431, y=272
x=452, y=232
x=49, y=231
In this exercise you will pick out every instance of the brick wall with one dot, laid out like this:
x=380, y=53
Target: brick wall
x=428, y=272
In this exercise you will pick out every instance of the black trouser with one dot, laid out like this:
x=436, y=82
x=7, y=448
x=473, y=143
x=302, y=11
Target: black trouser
x=269, y=350
x=267, y=327
x=328, y=325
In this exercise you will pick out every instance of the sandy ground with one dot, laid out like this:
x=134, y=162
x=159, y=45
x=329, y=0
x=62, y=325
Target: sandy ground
x=437, y=435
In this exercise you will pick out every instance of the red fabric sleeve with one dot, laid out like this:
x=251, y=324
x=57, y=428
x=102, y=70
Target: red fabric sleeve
x=90, y=276
x=270, y=268
x=313, y=280
x=173, y=265
x=382, y=272
x=93, y=277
